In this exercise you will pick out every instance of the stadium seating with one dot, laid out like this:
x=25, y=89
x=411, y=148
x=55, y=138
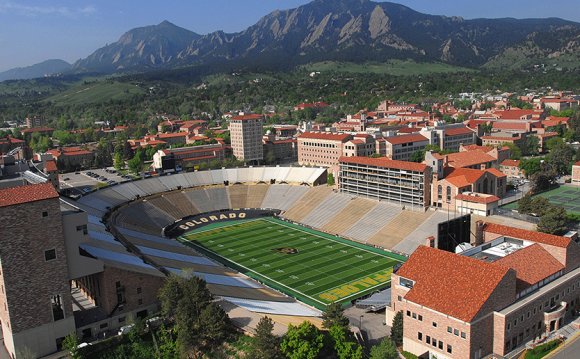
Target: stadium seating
x=198, y=198
x=307, y=203
x=397, y=229
x=255, y=196
x=282, y=196
x=425, y=229
x=354, y=211
x=238, y=195
x=180, y=201
x=375, y=219
x=166, y=206
x=218, y=197
x=326, y=209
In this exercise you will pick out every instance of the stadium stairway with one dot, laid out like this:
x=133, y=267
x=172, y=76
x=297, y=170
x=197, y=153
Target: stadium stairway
x=424, y=230
x=356, y=209
x=399, y=228
x=308, y=202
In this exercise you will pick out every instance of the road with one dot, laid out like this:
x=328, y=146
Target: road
x=570, y=351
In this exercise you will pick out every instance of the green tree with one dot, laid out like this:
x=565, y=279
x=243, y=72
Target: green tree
x=330, y=179
x=386, y=349
x=560, y=158
x=397, y=329
x=531, y=146
x=265, y=345
x=167, y=347
x=530, y=166
x=543, y=180
x=417, y=156
x=136, y=163
x=333, y=315
x=200, y=324
x=345, y=346
x=70, y=344
x=525, y=204
x=118, y=162
x=553, y=221
x=553, y=142
x=304, y=341
x=270, y=157
x=515, y=151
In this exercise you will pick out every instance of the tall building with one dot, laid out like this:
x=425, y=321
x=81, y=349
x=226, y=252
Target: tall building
x=35, y=301
x=246, y=136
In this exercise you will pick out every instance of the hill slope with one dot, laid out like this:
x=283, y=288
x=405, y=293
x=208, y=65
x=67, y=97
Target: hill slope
x=45, y=68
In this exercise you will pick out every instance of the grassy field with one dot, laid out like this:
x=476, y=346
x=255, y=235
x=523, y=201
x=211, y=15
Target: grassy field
x=313, y=267
x=391, y=67
x=565, y=196
x=96, y=92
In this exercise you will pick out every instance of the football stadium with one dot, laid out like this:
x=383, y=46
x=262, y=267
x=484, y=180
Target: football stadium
x=272, y=240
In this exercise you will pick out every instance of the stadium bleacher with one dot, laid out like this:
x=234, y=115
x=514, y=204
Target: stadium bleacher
x=218, y=197
x=307, y=203
x=327, y=209
x=256, y=194
x=397, y=229
x=238, y=194
x=356, y=209
x=375, y=219
x=281, y=196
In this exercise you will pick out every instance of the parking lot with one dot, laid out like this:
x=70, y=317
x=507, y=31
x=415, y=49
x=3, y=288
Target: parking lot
x=83, y=182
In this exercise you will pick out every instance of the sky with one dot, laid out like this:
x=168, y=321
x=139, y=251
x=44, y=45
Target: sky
x=32, y=31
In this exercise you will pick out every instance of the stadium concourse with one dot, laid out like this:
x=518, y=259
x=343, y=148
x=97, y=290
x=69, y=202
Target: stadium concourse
x=131, y=217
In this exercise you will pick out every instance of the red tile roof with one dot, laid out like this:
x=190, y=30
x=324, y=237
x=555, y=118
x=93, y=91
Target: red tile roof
x=397, y=140
x=462, y=177
x=51, y=166
x=522, y=126
x=496, y=172
x=384, y=162
x=550, y=239
x=501, y=138
x=37, y=129
x=469, y=158
x=477, y=198
x=409, y=130
x=485, y=149
x=25, y=194
x=449, y=283
x=343, y=137
x=513, y=114
x=172, y=135
x=511, y=163
x=248, y=117
x=532, y=264
x=458, y=131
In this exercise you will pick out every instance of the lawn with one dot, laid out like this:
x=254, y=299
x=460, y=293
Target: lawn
x=99, y=91
x=311, y=266
x=565, y=196
x=391, y=67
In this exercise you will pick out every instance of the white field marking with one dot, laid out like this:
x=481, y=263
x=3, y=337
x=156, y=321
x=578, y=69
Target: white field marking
x=190, y=233
x=356, y=293
x=293, y=276
x=328, y=239
x=264, y=276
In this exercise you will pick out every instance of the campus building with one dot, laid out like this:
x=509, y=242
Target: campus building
x=576, y=173
x=406, y=183
x=188, y=157
x=321, y=149
x=402, y=147
x=246, y=136
x=513, y=287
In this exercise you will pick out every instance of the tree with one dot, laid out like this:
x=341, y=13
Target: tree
x=537, y=205
x=304, y=341
x=270, y=157
x=525, y=204
x=334, y=315
x=417, y=156
x=167, y=347
x=136, y=163
x=397, y=329
x=553, y=221
x=330, y=179
x=201, y=325
x=560, y=158
x=345, y=346
x=530, y=165
x=543, y=180
x=386, y=349
x=118, y=162
x=266, y=344
x=515, y=151
x=71, y=343
x=531, y=146
x=553, y=142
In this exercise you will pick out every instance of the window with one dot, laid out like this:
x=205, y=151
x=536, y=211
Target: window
x=420, y=336
x=399, y=298
x=414, y=315
x=103, y=325
x=117, y=285
x=440, y=345
x=57, y=309
x=434, y=342
x=45, y=214
x=121, y=319
x=456, y=331
x=448, y=193
x=50, y=254
x=435, y=324
x=140, y=301
x=138, y=290
x=463, y=335
x=449, y=349
x=508, y=326
x=420, y=318
x=428, y=340
x=408, y=313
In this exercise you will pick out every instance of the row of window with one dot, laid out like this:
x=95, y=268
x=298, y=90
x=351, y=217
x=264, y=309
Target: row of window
x=318, y=144
x=456, y=332
x=434, y=342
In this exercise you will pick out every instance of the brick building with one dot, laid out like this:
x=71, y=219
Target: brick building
x=188, y=157
x=321, y=149
x=576, y=173
x=246, y=136
x=488, y=300
x=35, y=302
x=511, y=168
x=402, y=147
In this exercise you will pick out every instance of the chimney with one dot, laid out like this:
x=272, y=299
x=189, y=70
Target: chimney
x=478, y=233
x=430, y=242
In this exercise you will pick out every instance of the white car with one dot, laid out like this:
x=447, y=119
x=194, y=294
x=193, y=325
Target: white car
x=125, y=329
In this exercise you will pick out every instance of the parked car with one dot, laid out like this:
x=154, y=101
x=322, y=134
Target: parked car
x=125, y=329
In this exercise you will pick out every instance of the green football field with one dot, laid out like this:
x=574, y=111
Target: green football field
x=565, y=196
x=313, y=267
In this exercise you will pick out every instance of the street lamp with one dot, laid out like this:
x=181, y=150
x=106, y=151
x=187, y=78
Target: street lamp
x=360, y=322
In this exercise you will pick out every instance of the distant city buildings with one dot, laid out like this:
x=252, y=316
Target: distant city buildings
x=246, y=135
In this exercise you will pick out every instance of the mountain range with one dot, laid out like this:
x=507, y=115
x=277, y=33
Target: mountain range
x=45, y=68
x=341, y=30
